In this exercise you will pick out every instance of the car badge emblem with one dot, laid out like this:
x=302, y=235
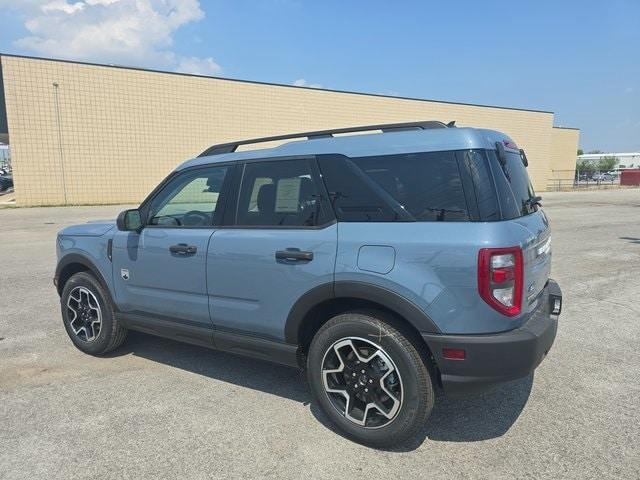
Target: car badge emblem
x=124, y=273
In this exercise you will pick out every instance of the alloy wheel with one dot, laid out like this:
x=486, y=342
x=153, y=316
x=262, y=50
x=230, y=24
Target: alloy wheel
x=85, y=317
x=362, y=382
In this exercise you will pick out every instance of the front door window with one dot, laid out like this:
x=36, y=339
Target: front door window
x=190, y=199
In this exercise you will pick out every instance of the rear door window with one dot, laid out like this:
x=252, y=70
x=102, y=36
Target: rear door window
x=280, y=194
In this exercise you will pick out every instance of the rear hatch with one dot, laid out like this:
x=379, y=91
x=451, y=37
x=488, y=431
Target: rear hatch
x=519, y=203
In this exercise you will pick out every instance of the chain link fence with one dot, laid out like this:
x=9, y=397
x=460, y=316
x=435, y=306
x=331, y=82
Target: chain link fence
x=561, y=180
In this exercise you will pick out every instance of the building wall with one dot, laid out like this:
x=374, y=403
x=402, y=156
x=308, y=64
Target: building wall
x=564, y=153
x=109, y=135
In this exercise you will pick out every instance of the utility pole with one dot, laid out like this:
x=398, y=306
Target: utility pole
x=57, y=103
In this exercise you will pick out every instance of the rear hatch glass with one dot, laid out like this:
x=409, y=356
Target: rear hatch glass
x=513, y=186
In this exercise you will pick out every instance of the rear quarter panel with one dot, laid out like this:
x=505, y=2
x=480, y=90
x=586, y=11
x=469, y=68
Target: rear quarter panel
x=435, y=266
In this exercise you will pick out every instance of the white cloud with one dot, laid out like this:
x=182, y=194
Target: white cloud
x=301, y=82
x=129, y=32
x=62, y=6
x=198, y=66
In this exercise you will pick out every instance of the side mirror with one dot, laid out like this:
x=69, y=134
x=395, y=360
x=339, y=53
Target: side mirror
x=129, y=220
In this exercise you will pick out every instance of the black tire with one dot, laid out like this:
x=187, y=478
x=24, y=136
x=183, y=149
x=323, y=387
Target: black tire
x=110, y=335
x=382, y=331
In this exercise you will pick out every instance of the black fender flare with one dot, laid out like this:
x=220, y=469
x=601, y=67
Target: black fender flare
x=389, y=299
x=76, y=258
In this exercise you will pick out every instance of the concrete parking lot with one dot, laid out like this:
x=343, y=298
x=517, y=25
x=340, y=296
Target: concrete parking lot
x=160, y=409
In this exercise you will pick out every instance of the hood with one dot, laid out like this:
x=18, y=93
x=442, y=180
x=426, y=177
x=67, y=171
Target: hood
x=91, y=229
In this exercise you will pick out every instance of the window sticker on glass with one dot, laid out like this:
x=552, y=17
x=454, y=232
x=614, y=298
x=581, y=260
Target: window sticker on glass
x=288, y=195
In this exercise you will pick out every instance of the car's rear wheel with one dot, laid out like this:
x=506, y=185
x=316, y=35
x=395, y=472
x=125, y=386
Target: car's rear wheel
x=89, y=316
x=370, y=379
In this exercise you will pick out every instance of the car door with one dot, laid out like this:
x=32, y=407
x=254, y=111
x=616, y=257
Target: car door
x=160, y=271
x=280, y=244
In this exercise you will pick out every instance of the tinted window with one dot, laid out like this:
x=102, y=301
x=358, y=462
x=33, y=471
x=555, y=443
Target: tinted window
x=512, y=184
x=354, y=197
x=280, y=193
x=190, y=199
x=482, y=189
x=416, y=187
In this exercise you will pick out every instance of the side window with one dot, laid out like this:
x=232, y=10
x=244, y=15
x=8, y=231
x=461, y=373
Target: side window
x=279, y=193
x=191, y=199
x=427, y=185
x=421, y=187
x=353, y=196
x=257, y=185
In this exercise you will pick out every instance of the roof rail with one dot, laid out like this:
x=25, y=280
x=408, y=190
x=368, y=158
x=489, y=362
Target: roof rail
x=389, y=127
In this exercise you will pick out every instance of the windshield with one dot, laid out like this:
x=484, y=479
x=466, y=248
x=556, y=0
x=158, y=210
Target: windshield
x=514, y=188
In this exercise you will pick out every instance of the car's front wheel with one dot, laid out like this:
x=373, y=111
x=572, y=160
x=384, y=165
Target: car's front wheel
x=89, y=316
x=370, y=379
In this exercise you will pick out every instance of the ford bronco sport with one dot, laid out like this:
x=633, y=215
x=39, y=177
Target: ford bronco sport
x=385, y=265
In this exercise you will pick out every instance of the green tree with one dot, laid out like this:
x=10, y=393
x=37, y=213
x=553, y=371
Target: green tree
x=585, y=166
x=607, y=163
x=580, y=152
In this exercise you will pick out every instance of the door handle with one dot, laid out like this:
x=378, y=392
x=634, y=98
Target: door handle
x=183, y=249
x=294, y=254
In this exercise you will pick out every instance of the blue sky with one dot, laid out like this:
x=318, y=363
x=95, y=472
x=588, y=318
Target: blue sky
x=579, y=59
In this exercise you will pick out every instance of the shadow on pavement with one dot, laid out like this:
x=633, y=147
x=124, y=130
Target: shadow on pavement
x=631, y=239
x=480, y=416
x=465, y=419
x=242, y=371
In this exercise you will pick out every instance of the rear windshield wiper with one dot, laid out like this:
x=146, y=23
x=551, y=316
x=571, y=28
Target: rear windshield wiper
x=536, y=200
x=441, y=212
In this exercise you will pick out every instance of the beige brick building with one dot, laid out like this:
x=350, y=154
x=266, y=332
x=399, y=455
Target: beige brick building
x=92, y=134
x=563, y=157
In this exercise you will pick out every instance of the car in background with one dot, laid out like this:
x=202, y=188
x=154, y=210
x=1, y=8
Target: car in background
x=603, y=177
x=6, y=181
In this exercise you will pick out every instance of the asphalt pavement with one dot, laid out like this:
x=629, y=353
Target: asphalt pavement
x=156, y=408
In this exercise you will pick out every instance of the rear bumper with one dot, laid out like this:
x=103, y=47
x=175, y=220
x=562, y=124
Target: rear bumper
x=496, y=358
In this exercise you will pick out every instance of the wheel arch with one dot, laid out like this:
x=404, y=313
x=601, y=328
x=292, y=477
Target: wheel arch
x=73, y=263
x=319, y=304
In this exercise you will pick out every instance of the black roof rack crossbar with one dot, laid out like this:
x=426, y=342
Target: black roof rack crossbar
x=389, y=127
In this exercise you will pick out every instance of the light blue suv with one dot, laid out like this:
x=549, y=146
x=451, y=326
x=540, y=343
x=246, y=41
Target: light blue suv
x=386, y=265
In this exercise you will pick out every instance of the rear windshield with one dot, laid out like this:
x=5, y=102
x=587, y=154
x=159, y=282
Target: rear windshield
x=513, y=185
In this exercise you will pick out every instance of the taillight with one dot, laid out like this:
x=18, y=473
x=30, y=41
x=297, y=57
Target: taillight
x=500, y=279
